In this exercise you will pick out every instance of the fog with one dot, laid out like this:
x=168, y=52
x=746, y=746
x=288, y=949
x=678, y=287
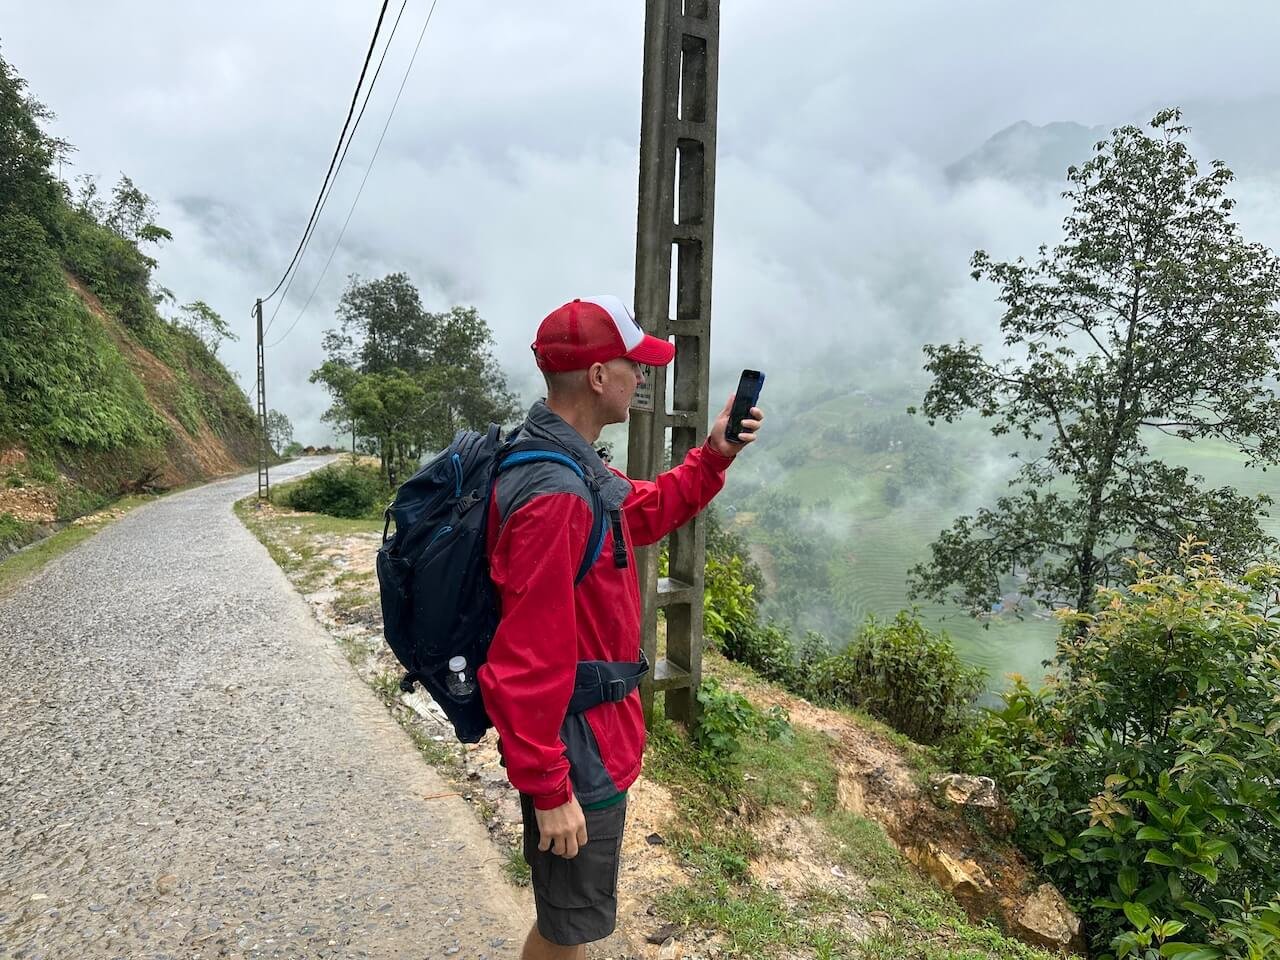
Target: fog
x=856, y=170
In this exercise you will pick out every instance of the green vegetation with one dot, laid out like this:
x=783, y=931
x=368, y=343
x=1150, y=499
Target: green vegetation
x=900, y=671
x=350, y=490
x=844, y=534
x=102, y=401
x=725, y=719
x=904, y=674
x=795, y=777
x=1153, y=314
x=279, y=430
x=293, y=544
x=406, y=379
x=1144, y=773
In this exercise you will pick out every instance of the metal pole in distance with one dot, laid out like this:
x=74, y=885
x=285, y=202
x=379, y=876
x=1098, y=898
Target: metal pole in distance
x=677, y=189
x=264, y=445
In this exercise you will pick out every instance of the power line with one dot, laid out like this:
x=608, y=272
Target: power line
x=363, y=181
x=327, y=193
x=336, y=150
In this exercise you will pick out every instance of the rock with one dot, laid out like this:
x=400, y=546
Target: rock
x=655, y=840
x=1047, y=920
x=975, y=793
x=665, y=932
x=966, y=791
x=670, y=950
x=963, y=879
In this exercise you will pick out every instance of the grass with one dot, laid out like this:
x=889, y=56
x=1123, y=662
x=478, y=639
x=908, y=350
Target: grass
x=516, y=867
x=292, y=540
x=798, y=778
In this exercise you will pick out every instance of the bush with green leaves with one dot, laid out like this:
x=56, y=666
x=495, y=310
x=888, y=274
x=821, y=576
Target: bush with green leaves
x=349, y=490
x=1146, y=773
x=724, y=720
x=905, y=674
x=900, y=672
x=728, y=600
x=1247, y=932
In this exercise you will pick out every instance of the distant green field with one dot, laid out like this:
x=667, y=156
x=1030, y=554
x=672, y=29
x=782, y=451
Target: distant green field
x=819, y=455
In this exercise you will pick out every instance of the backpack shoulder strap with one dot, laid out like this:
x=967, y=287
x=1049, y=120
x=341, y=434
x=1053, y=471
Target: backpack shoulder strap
x=537, y=451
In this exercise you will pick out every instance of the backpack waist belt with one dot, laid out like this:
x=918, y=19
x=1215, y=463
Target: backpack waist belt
x=603, y=681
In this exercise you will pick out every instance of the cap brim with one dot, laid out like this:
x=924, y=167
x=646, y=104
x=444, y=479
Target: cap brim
x=653, y=351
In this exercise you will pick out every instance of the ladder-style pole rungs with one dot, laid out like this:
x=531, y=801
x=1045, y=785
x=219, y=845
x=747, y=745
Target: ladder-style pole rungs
x=688, y=233
x=684, y=418
x=668, y=676
x=693, y=27
x=672, y=592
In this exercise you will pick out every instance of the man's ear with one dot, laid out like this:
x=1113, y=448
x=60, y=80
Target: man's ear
x=596, y=377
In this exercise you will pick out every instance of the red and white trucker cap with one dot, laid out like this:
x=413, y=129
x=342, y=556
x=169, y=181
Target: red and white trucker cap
x=595, y=330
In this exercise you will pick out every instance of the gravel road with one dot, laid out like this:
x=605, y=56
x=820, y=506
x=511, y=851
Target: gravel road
x=189, y=768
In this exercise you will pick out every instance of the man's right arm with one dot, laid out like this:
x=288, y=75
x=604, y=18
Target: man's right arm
x=532, y=663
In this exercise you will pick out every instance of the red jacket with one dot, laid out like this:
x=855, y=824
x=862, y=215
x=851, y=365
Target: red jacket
x=539, y=523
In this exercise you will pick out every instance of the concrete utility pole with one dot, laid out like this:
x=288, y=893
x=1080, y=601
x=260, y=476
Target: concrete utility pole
x=264, y=446
x=677, y=191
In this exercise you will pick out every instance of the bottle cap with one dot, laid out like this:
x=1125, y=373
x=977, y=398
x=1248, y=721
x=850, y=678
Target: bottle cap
x=457, y=664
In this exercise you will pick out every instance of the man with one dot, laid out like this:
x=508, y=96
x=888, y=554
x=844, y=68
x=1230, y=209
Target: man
x=560, y=607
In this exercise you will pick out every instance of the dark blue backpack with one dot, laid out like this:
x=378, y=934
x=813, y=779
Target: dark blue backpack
x=433, y=575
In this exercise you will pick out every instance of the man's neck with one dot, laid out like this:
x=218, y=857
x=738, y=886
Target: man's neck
x=581, y=419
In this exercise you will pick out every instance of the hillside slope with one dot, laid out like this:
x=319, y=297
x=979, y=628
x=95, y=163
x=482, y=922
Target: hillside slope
x=114, y=416
x=100, y=394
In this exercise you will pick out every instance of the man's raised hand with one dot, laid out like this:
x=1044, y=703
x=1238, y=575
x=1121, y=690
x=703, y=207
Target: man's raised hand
x=717, y=440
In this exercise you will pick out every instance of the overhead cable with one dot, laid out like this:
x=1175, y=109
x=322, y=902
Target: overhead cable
x=365, y=180
x=336, y=150
x=326, y=193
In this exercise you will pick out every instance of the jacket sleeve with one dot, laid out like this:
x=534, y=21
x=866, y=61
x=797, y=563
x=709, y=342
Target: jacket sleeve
x=529, y=674
x=655, y=508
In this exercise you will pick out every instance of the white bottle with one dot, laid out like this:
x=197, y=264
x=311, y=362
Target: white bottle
x=459, y=681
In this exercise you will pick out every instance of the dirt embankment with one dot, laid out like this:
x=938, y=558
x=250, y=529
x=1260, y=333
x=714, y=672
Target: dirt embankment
x=211, y=433
x=188, y=456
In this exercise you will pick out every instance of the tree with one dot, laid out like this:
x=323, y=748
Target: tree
x=206, y=323
x=132, y=214
x=469, y=388
x=279, y=429
x=1152, y=317
x=382, y=326
x=339, y=379
x=392, y=406
x=384, y=331
x=26, y=186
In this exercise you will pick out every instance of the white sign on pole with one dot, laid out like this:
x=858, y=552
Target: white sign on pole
x=643, y=399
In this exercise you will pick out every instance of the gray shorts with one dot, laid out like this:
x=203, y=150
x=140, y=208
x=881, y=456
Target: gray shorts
x=577, y=900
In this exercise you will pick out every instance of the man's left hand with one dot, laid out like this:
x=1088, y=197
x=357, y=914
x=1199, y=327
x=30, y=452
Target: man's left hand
x=717, y=441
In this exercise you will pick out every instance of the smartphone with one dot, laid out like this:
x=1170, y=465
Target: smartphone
x=746, y=397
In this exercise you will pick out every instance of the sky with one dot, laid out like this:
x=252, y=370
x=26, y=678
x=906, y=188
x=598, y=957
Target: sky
x=508, y=175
